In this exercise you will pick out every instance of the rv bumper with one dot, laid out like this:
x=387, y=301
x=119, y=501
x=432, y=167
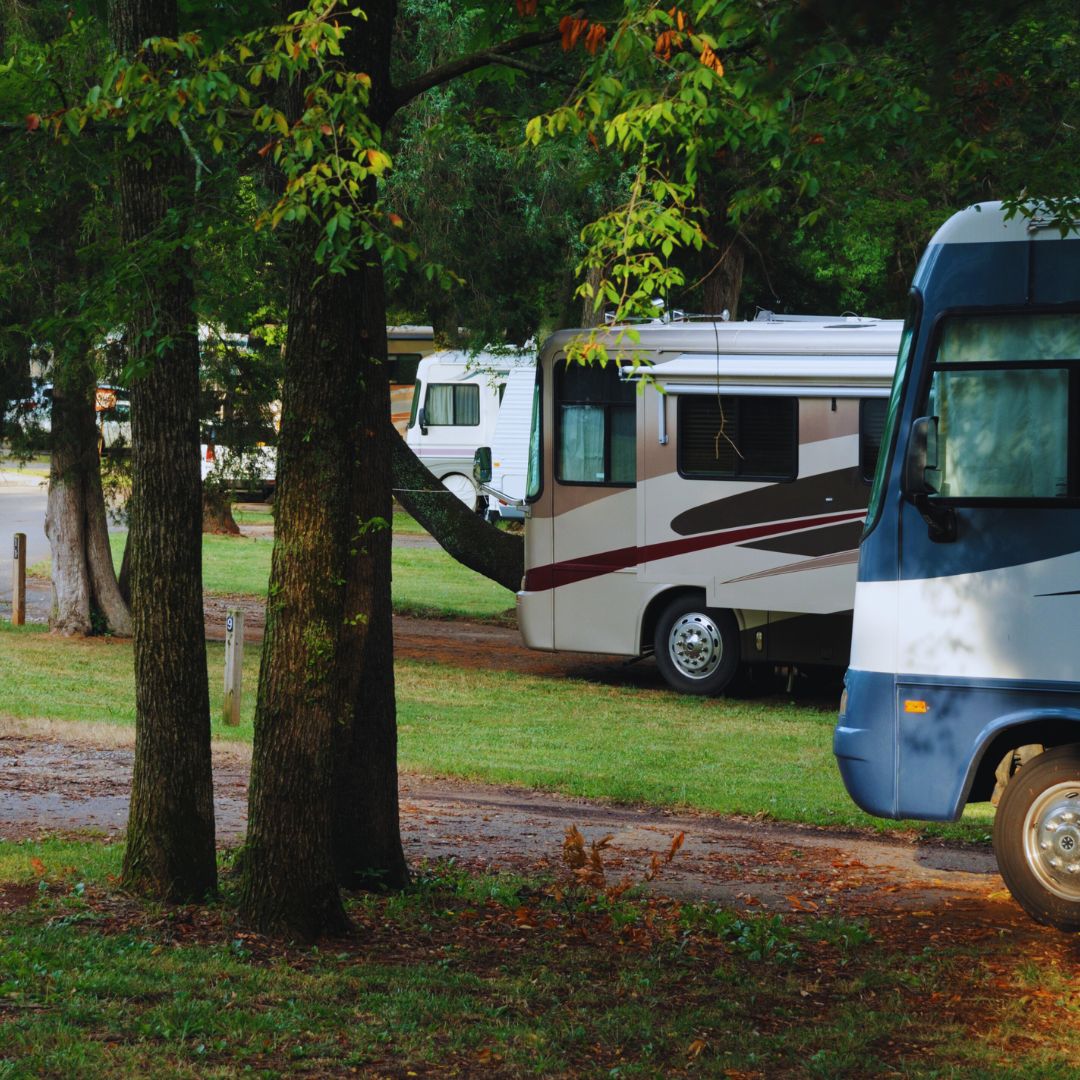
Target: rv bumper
x=535, y=616
x=864, y=741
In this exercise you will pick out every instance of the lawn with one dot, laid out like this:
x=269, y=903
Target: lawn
x=427, y=582
x=771, y=758
x=466, y=975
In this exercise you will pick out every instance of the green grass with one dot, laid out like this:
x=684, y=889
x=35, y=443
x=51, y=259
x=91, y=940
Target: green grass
x=769, y=758
x=473, y=976
x=427, y=581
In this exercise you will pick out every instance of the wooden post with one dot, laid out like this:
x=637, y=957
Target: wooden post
x=234, y=664
x=18, y=582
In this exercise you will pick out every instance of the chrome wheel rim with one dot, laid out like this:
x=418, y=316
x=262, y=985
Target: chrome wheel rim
x=1052, y=839
x=695, y=646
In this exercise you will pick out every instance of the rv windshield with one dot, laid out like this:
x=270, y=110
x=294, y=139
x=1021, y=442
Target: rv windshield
x=888, y=435
x=1003, y=392
x=533, y=482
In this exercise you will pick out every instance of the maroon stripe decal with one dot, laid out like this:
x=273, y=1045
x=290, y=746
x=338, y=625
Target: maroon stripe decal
x=541, y=578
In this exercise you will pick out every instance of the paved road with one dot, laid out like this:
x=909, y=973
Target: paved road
x=22, y=509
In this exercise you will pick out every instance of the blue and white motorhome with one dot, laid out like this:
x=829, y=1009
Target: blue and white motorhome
x=964, y=680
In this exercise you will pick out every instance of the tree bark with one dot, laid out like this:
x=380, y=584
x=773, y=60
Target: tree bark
x=170, y=850
x=464, y=536
x=367, y=832
x=83, y=578
x=323, y=797
x=290, y=879
x=722, y=286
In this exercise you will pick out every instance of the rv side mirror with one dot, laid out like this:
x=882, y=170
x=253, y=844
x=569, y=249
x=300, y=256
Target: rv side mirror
x=481, y=469
x=922, y=455
x=421, y=419
x=922, y=458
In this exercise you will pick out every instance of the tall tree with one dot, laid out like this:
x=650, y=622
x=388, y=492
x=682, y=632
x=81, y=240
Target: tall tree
x=170, y=850
x=55, y=239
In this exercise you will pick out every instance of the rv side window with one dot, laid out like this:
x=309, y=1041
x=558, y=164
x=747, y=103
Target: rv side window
x=452, y=405
x=418, y=390
x=534, y=480
x=871, y=428
x=1006, y=393
x=738, y=438
x=596, y=419
x=401, y=367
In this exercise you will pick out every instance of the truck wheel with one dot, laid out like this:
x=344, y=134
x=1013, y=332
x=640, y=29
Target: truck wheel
x=697, y=648
x=1037, y=837
x=462, y=487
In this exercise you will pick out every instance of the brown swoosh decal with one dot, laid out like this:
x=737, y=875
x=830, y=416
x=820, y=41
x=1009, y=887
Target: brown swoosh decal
x=825, y=493
x=837, y=558
x=541, y=578
x=815, y=542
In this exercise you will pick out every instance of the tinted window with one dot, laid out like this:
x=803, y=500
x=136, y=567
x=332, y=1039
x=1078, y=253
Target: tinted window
x=596, y=425
x=728, y=437
x=872, y=412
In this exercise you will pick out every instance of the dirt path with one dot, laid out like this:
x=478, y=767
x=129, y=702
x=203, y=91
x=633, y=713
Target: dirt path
x=66, y=779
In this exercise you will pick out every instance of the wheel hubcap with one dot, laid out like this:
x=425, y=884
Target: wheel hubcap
x=695, y=645
x=1052, y=839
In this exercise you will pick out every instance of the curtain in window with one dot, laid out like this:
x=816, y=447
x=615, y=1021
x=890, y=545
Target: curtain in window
x=1002, y=434
x=440, y=405
x=581, y=443
x=467, y=405
x=975, y=339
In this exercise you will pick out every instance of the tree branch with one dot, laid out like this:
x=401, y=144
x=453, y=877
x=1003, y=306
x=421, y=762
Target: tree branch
x=402, y=95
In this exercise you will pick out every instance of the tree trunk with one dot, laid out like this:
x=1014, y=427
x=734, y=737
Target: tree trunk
x=217, y=511
x=465, y=536
x=591, y=315
x=723, y=285
x=367, y=833
x=324, y=722
x=170, y=850
x=290, y=880
x=84, y=580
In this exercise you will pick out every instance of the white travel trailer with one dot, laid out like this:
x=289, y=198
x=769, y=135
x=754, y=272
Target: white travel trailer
x=455, y=409
x=510, y=447
x=710, y=512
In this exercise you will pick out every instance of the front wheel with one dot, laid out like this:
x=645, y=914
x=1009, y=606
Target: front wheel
x=1037, y=837
x=697, y=648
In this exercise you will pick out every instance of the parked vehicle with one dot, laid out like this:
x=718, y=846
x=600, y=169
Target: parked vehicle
x=111, y=407
x=710, y=517
x=406, y=346
x=505, y=489
x=963, y=684
x=455, y=409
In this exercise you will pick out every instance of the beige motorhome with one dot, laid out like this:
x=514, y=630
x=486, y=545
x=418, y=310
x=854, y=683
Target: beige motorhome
x=406, y=346
x=706, y=508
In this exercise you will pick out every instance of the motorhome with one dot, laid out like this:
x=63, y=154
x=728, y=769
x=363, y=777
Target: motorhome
x=455, y=409
x=406, y=346
x=700, y=496
x=963, y=685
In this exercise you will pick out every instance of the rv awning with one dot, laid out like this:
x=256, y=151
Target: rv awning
x=802, y=376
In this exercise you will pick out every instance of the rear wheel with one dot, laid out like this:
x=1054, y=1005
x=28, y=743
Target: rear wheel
x=1037, y=837
x=462, y=487
x=697, y=648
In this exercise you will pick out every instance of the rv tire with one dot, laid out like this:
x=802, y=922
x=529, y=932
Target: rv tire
x=1037, y=837
x=461, y=486
x=697, y=648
